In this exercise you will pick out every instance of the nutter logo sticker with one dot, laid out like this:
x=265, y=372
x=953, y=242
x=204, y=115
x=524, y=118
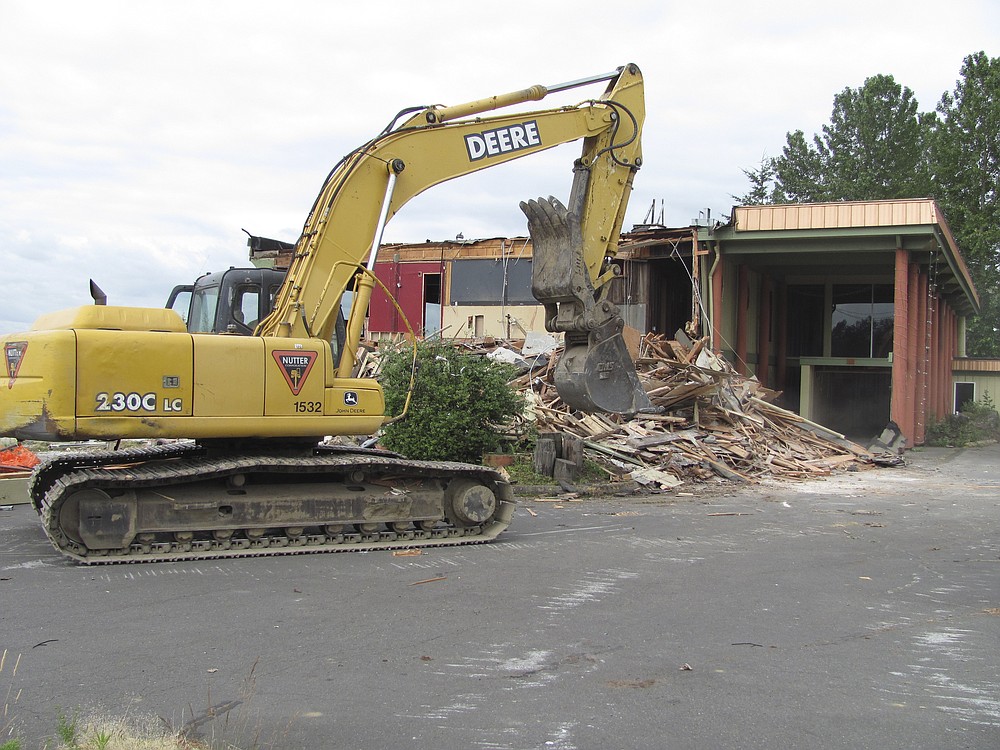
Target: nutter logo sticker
x=14, y=354
x=295, y=366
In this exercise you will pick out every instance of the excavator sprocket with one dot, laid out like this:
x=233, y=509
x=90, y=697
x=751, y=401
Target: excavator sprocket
x=182, y=503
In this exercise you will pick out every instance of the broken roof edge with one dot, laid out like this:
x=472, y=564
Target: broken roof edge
x=463, y=241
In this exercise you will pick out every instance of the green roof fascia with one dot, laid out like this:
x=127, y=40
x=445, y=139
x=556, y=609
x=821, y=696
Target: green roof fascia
x=958, y=269
x=728, y=234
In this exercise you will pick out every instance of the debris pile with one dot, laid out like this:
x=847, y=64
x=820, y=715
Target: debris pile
x=713, y=423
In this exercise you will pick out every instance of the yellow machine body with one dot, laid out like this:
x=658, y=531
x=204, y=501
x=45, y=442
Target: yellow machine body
x=109, y=372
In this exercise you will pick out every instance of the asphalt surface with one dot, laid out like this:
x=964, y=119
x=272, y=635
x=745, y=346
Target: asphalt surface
x=861, y=611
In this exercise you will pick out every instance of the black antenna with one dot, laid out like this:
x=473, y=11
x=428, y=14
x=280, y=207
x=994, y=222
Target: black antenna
x=650, y=214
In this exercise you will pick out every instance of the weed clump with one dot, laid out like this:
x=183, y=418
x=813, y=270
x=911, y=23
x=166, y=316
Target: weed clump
x=977, y=422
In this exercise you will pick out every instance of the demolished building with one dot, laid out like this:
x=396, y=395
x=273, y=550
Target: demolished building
x=854, y=311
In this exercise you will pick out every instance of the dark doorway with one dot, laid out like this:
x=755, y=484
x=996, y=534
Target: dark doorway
x=432, y=303
x=669, y=294
x=853, y=400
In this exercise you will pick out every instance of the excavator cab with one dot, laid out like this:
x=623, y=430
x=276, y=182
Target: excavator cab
x=231, y=301
x=234, y=302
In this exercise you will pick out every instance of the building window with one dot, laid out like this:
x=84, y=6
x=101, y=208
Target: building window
x=965, y=394
x=489, y=281
x=862, y=320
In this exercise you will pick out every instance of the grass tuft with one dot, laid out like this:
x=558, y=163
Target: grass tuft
x=218, y=727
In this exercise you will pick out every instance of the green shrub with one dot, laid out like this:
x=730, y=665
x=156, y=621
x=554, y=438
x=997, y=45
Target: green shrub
x=977, y=422
x=459, y=403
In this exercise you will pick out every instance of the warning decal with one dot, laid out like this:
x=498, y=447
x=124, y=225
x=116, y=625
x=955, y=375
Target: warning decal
x=14, y=353
x=295, y=366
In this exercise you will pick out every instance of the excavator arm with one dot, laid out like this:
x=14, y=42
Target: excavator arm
x=573, y=246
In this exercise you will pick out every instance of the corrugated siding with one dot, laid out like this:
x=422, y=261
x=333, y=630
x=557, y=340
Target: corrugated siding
x=975, y=365
x=835, y=215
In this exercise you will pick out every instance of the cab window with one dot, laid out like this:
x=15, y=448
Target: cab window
x=246, y=305
x=203, y=304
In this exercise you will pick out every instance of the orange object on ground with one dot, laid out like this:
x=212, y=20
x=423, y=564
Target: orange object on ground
x=18, y=458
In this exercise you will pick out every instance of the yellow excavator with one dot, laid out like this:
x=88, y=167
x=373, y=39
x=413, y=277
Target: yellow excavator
x=242, y=470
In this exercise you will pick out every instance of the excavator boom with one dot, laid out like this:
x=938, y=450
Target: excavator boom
x=572, y=266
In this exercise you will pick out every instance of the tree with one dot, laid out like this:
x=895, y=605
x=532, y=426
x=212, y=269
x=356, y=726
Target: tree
x=799, y=171
x=965, y=159
x=879, y=146
x=458, y=403
x=761, y=184
x=875, y=147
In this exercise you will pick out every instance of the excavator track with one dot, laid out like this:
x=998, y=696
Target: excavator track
x=53, y=467
x=181, y=503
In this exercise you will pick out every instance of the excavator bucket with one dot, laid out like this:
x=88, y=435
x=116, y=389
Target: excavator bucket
x=599, y=376
x=595, y=372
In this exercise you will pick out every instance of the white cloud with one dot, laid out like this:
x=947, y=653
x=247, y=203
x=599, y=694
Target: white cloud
x=137, y=139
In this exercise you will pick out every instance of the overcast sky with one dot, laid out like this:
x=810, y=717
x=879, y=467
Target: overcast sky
x=138, y=138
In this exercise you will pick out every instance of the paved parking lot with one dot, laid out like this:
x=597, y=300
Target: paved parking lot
x=861, y=611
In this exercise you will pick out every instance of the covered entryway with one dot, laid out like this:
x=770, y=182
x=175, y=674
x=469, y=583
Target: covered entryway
x=853, y=311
